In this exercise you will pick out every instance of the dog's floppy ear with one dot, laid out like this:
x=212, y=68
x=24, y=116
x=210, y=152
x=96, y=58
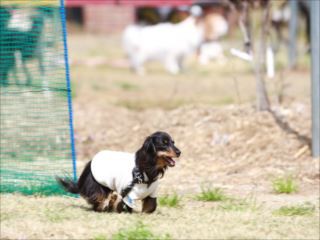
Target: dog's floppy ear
x=145, y=155
x=148, y=145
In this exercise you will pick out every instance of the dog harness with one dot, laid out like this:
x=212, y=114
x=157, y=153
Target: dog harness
x=137, y=178
x=117, y=171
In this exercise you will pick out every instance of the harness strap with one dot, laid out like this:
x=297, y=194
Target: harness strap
x=137, y=178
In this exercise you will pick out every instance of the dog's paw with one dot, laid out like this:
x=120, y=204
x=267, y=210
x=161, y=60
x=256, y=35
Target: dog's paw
x=122, y=207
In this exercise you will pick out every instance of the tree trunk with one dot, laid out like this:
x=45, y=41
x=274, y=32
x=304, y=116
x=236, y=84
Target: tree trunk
x=263, y=103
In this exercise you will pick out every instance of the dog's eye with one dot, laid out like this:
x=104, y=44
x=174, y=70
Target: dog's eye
x=165, y=141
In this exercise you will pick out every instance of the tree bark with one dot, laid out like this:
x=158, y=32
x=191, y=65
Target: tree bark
x=263, y=102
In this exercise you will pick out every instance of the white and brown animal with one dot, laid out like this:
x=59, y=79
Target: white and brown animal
x=211, y=51
x=170, y=43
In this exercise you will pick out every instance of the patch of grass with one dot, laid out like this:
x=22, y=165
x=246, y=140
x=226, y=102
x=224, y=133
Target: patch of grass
x=4, y=217
x=55, y=216
x=170, y=201
x=127, y=86
x=139, y=231
x=296, y=210
x=239, y=205
x=285, y=185
x=99, y=237
x=224, y=101
x=139, y=105
x=211, y=195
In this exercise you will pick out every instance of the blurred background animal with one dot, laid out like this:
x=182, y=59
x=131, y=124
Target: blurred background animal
x=24, y=42
x=211, y=51
x=7, y=60
x=171, y=43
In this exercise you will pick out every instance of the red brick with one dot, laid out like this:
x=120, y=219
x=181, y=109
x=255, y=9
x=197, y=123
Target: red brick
x=107, y=18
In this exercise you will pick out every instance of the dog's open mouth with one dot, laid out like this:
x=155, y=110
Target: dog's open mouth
x=170, y=161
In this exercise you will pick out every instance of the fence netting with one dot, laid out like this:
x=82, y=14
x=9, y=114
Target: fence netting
x=36, y=135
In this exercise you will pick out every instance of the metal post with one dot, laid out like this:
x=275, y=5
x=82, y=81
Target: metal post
x=293, y=28
x=68, y=83
x=315, y=86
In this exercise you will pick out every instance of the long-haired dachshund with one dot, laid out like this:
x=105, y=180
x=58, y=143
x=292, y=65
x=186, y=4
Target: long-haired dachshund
x=133, y=176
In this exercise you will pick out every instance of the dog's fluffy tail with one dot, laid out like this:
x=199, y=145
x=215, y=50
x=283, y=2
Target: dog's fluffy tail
x=68, y=184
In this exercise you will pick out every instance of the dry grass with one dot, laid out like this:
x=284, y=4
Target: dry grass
x=224, y=144
x=69, y=218
x=103, y=74
x=296, y=210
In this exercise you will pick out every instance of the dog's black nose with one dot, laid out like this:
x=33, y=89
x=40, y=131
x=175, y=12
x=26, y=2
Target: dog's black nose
x=178, y=153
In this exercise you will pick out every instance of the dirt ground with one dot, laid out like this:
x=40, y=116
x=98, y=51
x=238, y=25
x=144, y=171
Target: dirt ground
x=225, y=142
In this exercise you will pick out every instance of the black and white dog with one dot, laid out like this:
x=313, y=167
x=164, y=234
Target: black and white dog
x=133, y=176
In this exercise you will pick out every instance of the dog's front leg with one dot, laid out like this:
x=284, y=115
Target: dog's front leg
x=123, y=207
x=149, y=205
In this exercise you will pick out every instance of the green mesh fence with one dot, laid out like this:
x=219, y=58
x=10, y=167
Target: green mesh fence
x=35, y=104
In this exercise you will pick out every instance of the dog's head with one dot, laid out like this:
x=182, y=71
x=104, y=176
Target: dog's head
x=158, y=152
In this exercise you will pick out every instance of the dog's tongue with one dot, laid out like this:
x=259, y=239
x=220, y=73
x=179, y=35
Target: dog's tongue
x=172, y=162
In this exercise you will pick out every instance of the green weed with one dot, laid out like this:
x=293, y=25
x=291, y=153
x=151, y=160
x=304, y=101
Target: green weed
x=170, y=201
x=284, y=185
x=140, y=231
x=296, y=210
x=211, y=195
x=239, y=205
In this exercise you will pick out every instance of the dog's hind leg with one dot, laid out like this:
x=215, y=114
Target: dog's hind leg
x=99, y=204
x=92, y=191
x=100, y=199
x=112, y=202
x=17, y=64
x=44, y=79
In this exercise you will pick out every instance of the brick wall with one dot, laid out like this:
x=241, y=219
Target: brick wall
x=107, y=18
